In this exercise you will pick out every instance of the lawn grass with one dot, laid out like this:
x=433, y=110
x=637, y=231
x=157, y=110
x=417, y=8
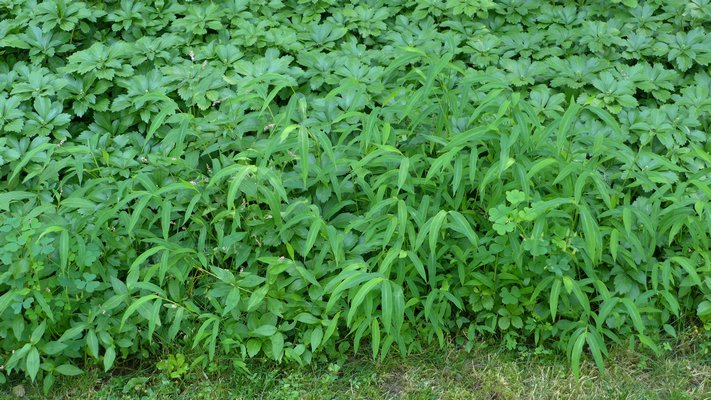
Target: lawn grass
x=449, y=373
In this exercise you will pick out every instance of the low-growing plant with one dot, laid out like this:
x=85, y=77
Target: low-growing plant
x=175, y=366
x=297, y=180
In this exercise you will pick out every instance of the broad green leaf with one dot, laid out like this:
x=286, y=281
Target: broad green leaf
x=316, y=337
x=255, y=299
x=265, y=330
x=32, y=363
x=109, y=358
x=277, y=345
x=68, y=370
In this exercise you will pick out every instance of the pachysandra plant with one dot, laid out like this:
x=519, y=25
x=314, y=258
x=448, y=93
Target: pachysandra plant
x=300, y=180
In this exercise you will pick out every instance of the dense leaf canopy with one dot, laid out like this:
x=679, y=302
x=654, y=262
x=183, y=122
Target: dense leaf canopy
x=296, y=179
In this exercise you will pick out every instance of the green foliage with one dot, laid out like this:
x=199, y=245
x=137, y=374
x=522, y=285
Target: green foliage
x=297, y=180
x=175, y=366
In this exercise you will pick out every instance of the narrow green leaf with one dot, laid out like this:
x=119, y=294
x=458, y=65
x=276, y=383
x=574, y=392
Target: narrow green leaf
x=175, y=325
x=627, y=220
x=565, y=124
x=633, y=313
x=133, y=270
x=555, y=294
x=375, y=338
x=386, y=305
x=596, y=349
x=605, y=310
x=304, y=153
x=27, y=157
x=137, y=212
x=580, y=184
x=689, y=268
x=419, y=267
x=591, y=230
x=360, y=296
x=672, y=302
x=649, y=342
x=165, y=220
x=403, y=172
x=331, y=328
x=578, y=292
x=64, y=249
x=540, y=166
x=135, y=305
x=156, y=122
x=577, y=354
x=608, y=119
x=614, y=243
x=154, y=319
x=236, y=183
x=435, y=227
x=460, y=224
x=314, y=230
